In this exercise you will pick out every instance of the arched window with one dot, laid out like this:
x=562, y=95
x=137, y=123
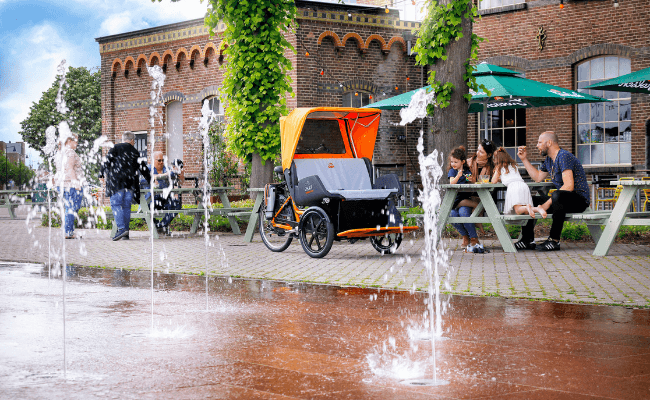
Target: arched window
x=356, y=98
x=216, y=107
x=604, y=130
x=506, y=128
x=174, y=125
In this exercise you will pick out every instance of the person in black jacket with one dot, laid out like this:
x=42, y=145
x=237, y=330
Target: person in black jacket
x=120, y=169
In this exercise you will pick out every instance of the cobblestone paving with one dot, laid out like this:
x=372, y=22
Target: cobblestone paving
x=572, y=274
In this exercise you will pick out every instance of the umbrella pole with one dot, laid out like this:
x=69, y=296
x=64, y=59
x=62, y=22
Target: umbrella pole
x=485, y=119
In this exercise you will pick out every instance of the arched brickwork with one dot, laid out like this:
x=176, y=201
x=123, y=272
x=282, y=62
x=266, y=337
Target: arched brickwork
x=173, y=95
x=167, y=57
x=154, y=56
x=206, y=50
x=193, y=52
x=117, y=65
x=396, y=39
x=355, y=36
x=179, y=54
x=596, y=50
x=141, y=62
x=378, y=38
x=333, y=35
x=129, y=62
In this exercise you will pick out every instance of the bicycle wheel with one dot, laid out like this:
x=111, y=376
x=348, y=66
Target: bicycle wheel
x=388, y=243
x=275, y=239
x=316, y=232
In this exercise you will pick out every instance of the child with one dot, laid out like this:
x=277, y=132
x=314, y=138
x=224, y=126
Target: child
x=518, y=198
x=459, y=173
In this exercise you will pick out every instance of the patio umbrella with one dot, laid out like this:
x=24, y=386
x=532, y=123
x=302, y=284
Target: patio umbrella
x=635, y=82
x=507, y=91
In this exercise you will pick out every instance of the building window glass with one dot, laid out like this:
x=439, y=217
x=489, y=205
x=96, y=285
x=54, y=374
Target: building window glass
x=486, y=4
x=174, y=130
x=506, y=128
x=356, y=99
x=604, y=130
x=216, y=107
x=141, y=143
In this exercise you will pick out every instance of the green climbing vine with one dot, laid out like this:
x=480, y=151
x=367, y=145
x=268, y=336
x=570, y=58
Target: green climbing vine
x=440, y=27
x=256, y=81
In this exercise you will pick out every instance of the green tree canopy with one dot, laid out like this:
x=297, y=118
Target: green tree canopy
x=18, y=173
x=83, y=98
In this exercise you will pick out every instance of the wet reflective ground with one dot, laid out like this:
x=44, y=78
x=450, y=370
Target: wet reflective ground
x=256, y=339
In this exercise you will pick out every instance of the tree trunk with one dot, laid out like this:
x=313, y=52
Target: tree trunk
x=261, y=174
x=449, y=125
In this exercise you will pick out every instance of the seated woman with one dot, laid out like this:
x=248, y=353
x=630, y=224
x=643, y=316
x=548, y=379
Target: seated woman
x=164, y=178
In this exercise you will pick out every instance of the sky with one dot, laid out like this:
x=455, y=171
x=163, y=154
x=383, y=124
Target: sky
x=37, y=34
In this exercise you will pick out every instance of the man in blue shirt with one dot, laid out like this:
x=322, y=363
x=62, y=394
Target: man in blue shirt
x=571, y=196
x=162, y=201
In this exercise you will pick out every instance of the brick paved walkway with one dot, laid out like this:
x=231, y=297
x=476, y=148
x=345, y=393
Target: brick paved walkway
x=572, y=274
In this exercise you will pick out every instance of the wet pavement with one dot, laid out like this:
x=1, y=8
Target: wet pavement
x=570, y=275
x=250, y=339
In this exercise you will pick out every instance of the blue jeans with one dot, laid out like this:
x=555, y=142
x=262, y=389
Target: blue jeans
x=464, y=229
x=160, y=203
x=72, y=200
x=121, y=206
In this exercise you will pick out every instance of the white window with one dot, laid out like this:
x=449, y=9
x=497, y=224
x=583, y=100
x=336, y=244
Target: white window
x=174, y=130
x=356, y=99
x=486, y=4
x=216, y=107
x=604, y=130
x=506, y=128
x=141, y=142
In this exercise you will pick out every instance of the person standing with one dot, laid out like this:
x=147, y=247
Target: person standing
x=571, y=196
x=69, y=165
x=120, y=169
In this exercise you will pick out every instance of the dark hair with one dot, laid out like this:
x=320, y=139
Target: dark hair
x=503, y=160
x=488, y=146
x=458, y=153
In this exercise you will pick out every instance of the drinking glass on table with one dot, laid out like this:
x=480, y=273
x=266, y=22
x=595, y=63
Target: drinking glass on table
x=484, y=178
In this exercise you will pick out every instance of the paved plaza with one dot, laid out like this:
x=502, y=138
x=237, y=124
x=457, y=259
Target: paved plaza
x=570, y=275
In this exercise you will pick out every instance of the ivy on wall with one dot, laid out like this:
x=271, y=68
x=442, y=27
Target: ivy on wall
x=440, y=27
x=255, y=81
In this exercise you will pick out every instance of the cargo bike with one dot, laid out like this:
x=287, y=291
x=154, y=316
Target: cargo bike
x=327, y=192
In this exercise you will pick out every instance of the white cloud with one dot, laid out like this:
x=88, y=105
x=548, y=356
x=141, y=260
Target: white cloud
x=34, y=53
x=143, y=14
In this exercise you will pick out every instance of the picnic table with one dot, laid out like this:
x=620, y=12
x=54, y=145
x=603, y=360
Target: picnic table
x=227, y=211
x=620, y=215
x=12, y=199
x=487, y=204
x=255, y=213
x=595, y=220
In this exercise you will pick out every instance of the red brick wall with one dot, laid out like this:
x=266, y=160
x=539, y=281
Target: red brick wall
x=372, y=66
x=580, y=31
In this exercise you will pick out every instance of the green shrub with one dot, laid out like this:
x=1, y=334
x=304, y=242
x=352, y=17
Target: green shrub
x=412, y=221
x=513, y=231
x=572, y=231
x=633, y=231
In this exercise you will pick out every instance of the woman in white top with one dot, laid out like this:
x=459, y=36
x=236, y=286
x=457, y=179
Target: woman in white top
x=518, y=198
x=70, y=176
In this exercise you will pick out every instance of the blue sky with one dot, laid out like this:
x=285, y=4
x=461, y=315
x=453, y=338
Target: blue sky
x=37, y=35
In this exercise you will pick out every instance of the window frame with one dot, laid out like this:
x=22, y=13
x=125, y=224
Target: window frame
x=596, y=153
x=362, y=94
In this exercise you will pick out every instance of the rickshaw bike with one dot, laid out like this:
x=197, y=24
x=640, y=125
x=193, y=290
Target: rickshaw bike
x=327, y=192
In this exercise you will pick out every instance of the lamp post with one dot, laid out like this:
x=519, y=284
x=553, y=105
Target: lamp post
x=6, y=166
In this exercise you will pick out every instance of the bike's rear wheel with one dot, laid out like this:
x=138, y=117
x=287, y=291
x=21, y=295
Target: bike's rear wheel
x=275, y=239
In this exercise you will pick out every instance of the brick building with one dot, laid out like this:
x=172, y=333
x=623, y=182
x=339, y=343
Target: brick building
x=581, y=43
x=347, y=55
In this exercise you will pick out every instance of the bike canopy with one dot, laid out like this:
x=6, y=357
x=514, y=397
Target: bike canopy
x=328, y=132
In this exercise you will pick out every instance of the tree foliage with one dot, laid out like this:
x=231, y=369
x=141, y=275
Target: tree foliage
x=255, y=81
x=440, y=27
x=83, y=98
x=19, y=173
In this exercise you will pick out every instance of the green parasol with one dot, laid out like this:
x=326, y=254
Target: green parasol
x=507, y=91
x=635, y=82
